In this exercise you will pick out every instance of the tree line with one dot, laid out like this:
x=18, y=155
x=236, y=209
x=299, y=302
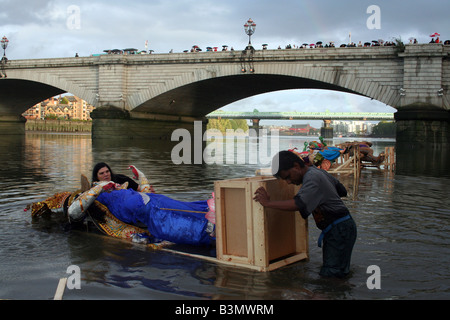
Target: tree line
x=224, y=124
x=384, y=129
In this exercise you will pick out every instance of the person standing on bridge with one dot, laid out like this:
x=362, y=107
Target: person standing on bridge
x=319, y=195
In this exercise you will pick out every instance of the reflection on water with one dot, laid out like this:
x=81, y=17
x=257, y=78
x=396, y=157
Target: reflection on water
x=428, y=162
x=403, y=227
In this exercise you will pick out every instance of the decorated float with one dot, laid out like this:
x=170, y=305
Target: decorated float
x=138, y=216
x=347, y=157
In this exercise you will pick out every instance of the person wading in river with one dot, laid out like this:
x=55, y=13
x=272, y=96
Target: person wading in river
x=319, y=195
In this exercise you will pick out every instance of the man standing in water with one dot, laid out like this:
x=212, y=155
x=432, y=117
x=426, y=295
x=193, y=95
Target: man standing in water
x=319, y=195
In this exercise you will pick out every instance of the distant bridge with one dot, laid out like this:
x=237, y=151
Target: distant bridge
x=292, y=115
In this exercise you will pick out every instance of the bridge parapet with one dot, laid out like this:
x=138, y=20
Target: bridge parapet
x=213, y=57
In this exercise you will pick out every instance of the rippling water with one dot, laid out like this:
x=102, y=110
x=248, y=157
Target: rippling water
x=403, y=224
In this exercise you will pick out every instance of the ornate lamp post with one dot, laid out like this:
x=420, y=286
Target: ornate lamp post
x=249, y=28
x=4, y=42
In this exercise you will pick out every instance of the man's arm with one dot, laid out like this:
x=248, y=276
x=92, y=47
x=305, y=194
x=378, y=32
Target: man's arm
x=263, y=198
x=341, y=190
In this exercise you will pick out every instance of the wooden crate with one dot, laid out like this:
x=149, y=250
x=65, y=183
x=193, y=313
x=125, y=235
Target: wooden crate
x=249, y=235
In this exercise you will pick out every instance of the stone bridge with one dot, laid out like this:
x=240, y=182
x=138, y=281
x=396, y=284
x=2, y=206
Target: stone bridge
x=151, y=95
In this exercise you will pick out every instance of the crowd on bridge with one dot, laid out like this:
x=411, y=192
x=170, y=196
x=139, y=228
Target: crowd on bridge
x=318, y=44
x=331, y=44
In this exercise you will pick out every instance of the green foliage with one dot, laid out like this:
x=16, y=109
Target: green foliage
x=384, y=129
x=219, y=124
x=64, y=100
x=51, y=116
x=239, y=124
x=223, y=124
x=399, y=45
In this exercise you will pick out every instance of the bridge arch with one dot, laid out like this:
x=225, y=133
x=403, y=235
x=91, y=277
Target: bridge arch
x=21, y=93
x=198, y=93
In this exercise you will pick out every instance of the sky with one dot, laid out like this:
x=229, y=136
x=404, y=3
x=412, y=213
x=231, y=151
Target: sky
x=61, y=28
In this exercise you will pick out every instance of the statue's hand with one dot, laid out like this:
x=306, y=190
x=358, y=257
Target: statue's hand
x=109, y=186
x=144, y=185
x=135, y=171
x=105, y=186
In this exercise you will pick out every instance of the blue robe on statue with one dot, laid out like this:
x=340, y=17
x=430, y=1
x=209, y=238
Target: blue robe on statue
x=331, y=153
x=166, y=219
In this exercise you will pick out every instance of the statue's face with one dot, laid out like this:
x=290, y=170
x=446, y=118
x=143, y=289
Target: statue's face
x=104, y=174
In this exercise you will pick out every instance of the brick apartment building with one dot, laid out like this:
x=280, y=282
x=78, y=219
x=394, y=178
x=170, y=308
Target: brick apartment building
x=300, y=129
x=74, y=108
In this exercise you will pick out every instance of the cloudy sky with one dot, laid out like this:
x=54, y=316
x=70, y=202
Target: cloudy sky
x=60, y=28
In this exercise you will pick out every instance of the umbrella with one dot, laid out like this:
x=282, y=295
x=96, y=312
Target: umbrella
x=130, y=50
x=435, y=34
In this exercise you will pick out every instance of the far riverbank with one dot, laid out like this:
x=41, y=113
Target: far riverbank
x=78, y=126
x=58, y=126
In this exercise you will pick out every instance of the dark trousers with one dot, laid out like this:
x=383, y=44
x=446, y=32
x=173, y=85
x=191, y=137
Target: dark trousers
x=337, y=249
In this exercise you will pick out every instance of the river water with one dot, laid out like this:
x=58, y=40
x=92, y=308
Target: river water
x=403, y=221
